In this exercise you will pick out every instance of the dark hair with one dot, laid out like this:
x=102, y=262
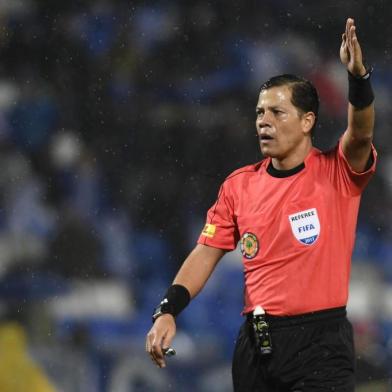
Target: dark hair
x=303, y=94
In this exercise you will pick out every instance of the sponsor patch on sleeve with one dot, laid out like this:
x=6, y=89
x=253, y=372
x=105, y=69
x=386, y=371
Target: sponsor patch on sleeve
x=209, y=230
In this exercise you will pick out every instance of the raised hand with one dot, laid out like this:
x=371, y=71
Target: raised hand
x=350, y=50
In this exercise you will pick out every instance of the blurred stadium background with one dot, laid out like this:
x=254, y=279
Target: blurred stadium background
x=118, y=121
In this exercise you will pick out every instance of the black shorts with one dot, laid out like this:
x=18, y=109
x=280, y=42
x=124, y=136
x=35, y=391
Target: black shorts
x=312, y=352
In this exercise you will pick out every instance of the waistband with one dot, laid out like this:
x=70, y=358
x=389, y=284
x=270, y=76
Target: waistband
x=333, y=314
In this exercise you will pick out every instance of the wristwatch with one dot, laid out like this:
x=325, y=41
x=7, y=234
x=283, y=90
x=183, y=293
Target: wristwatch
x=161, y=309
x=367, y=75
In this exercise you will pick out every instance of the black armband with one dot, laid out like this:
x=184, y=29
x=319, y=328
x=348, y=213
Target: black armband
x=360, y=92
x=176, y=299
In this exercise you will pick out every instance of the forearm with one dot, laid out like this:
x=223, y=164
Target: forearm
x=197, y=268
x=361, y=123
x=190, y=279
x=360, y=107
x=357, y=140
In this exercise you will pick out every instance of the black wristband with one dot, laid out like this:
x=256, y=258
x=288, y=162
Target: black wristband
x=175, y=300
x=360, y=92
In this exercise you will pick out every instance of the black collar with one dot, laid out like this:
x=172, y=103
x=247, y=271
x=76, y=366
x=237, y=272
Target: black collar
x=284, y=173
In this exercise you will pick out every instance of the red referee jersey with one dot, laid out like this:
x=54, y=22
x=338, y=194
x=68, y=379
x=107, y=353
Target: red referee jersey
x=296, y=232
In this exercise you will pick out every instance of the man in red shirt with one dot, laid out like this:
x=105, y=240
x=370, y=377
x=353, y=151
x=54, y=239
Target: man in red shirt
x=294, y=215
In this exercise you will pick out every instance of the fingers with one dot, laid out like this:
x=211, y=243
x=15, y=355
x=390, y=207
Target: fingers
x=350, y=49
x=350, y=35
x=154, y=348
x=353, y=36
x=167, y=339
x=349, y=23
x=344, y=42
x=355, y=44
x=160, y=337
x=350, y=32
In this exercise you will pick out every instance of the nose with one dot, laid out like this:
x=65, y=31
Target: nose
x=263, y=120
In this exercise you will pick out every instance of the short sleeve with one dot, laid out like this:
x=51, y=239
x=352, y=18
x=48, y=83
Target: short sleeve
x=220, y=230
x=344, y=178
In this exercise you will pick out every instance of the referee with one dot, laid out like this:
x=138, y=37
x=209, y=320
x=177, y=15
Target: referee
x=294, y=215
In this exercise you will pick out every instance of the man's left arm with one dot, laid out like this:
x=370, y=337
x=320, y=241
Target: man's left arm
x=357, y=140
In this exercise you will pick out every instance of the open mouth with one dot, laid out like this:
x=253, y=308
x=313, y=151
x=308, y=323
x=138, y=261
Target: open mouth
x=265, y=137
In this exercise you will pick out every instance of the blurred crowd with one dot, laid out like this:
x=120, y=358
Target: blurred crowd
x=118, y=122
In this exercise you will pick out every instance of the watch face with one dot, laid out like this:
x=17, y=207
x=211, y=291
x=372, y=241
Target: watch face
x=157, y=314
x=164, y=306
x=157, y=311
x=161, y=309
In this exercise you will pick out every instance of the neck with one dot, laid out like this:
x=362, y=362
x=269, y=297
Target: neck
x=292, y=160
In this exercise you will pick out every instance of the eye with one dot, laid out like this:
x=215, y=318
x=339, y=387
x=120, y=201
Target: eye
x=259, y=112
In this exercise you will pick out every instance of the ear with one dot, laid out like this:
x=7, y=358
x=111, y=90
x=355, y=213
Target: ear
x=308, y=120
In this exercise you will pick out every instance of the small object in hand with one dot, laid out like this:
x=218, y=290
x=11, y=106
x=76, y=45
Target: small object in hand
x=169, y=352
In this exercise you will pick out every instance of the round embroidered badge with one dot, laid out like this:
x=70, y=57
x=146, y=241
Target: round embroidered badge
x=249, y=245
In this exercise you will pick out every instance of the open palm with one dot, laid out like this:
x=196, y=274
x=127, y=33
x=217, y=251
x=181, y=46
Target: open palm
x=350, y=50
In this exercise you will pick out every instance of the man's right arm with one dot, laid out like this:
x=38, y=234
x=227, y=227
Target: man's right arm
x=198, y=267
x=193, y=275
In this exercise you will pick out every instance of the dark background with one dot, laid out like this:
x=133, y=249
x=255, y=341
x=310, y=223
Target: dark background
x=118, y=122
